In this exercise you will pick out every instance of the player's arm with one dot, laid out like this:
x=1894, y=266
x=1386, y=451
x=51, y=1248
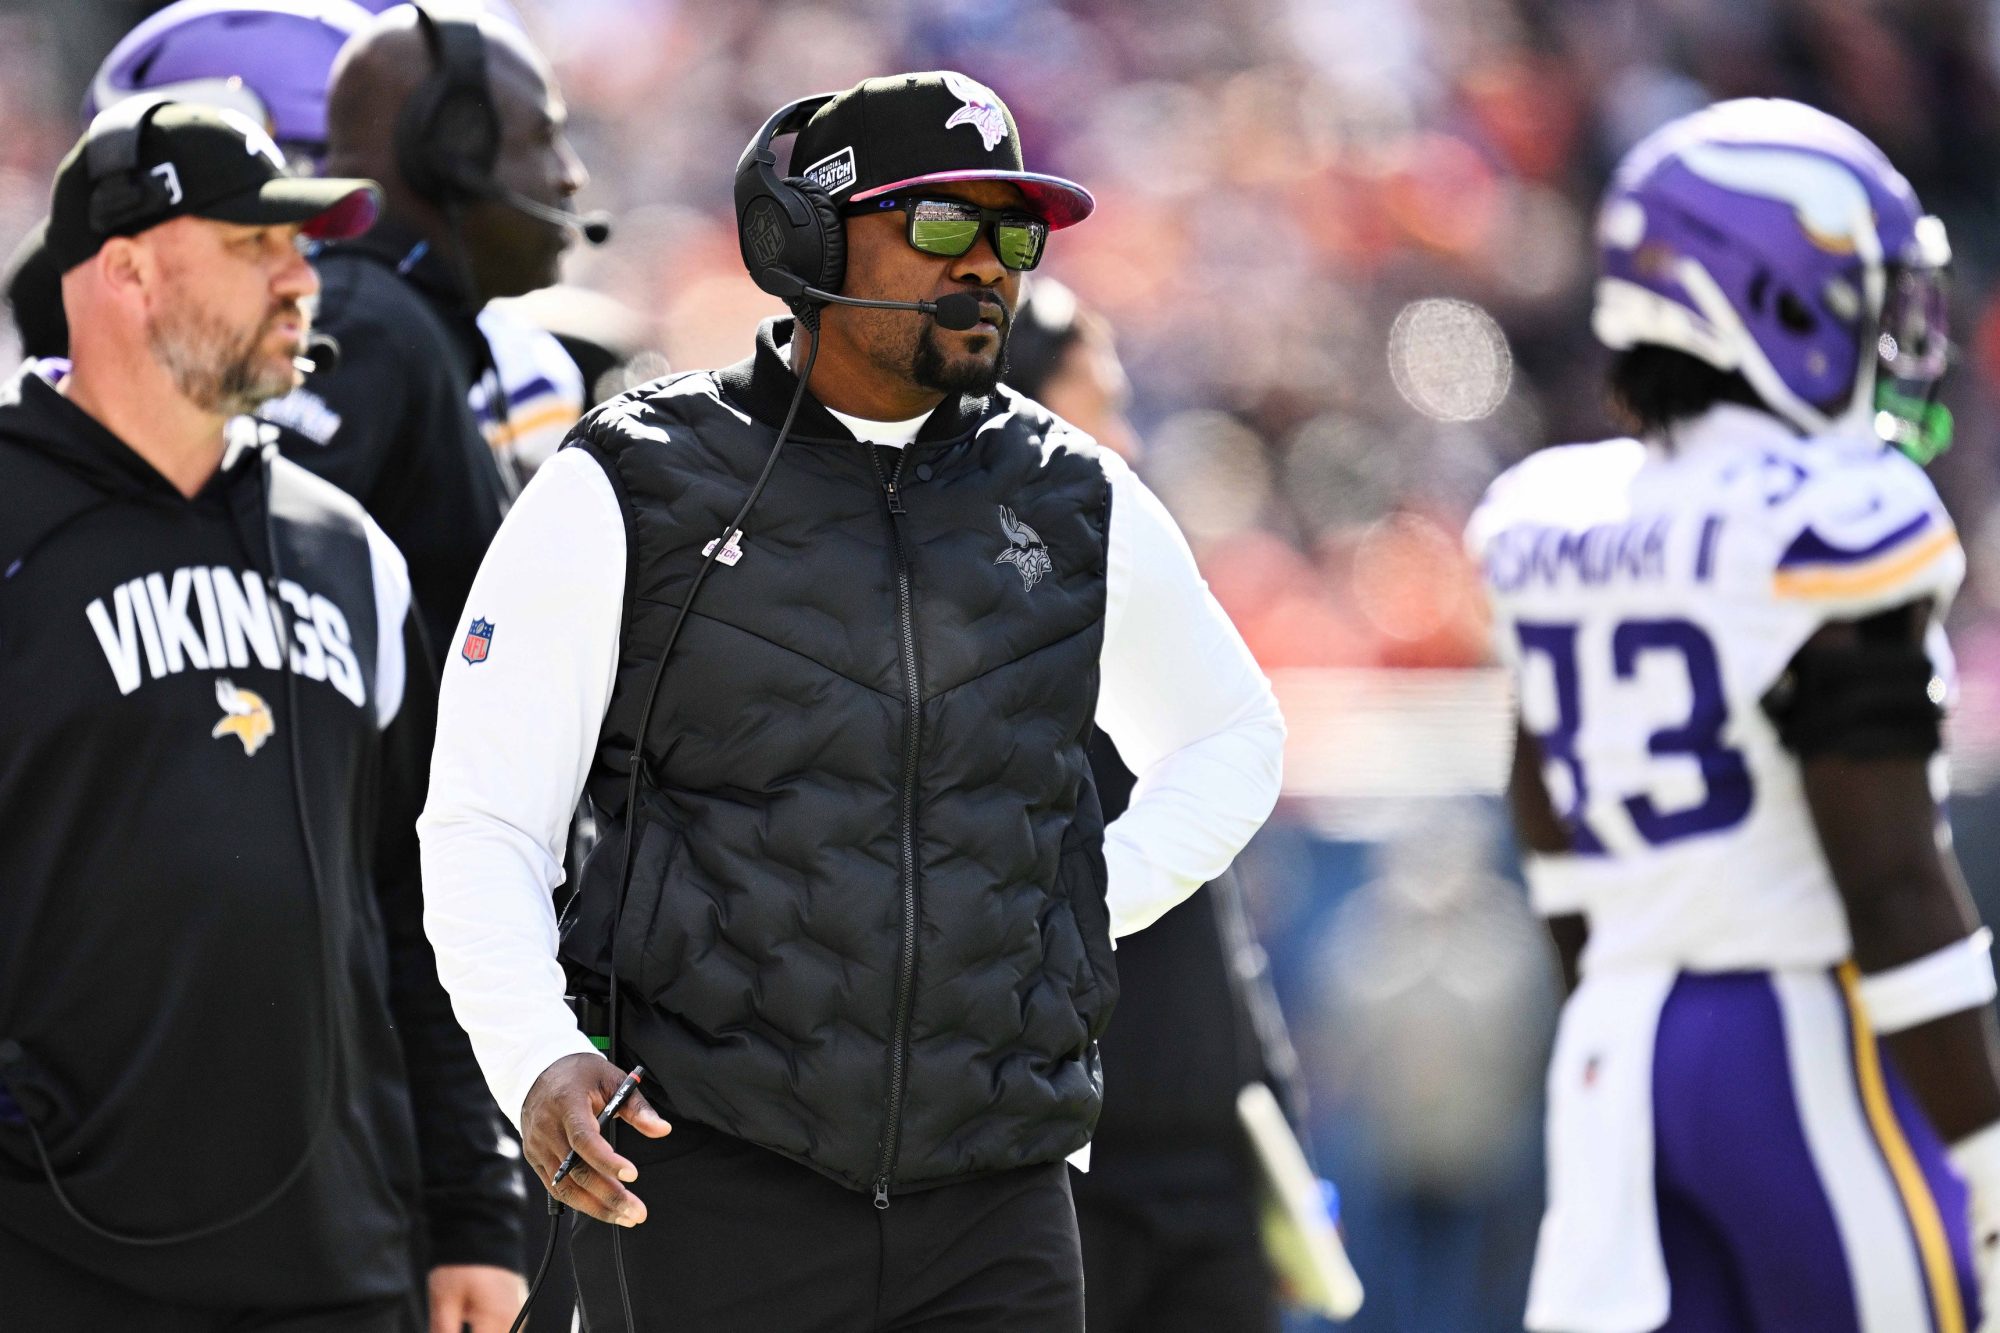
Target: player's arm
x=1540, y=834
x=1858, y=707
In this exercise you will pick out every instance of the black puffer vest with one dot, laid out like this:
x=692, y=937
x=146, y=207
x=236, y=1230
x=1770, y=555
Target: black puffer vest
x=865, y=924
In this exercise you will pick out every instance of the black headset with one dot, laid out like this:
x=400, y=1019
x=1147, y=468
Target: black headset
x=121, y=195
x=788, y=228
x=448, y=132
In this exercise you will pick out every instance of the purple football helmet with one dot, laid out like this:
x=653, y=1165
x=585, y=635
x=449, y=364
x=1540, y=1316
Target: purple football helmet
x=497, y=8
x=267, y=58
x=1768, y=238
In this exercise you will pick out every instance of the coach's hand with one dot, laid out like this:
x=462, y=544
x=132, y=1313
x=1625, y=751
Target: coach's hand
x=481, y=1295
x=561, y=1113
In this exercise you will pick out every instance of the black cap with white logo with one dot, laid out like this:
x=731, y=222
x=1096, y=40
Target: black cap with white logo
x=891, y=133
x=144, y=163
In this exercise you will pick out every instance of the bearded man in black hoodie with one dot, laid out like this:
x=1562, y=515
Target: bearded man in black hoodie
x=232, y=1094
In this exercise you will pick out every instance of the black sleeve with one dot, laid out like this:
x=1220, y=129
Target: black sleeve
x=473, y=1202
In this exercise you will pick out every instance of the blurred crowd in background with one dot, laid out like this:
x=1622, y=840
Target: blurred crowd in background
x=1345, y=246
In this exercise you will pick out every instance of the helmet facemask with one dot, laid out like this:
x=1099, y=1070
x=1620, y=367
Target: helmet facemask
x=1913, y=351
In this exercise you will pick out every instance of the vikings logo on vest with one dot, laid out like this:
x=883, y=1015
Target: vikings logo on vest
x=981, y=109
x=245, y=716
x=478, y=642
x=233, y=618
x=1025, y=550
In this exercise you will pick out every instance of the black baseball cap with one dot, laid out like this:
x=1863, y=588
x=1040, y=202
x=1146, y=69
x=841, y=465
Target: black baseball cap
x=888, y=134
x=194, y=160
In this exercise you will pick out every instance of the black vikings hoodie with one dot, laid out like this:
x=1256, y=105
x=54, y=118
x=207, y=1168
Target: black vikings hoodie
x=214, y=987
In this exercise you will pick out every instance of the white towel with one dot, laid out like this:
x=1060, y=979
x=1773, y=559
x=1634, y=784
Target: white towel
x=1598, y=1265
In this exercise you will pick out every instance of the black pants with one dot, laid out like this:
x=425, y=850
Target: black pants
x=739, y=1239
x=1144, y=1278
x=38, y=1291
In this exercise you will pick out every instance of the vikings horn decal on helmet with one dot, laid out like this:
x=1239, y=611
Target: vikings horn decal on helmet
x=1768, y=238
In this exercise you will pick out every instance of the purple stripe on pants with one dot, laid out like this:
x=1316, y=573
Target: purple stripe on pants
x=1746, y=1223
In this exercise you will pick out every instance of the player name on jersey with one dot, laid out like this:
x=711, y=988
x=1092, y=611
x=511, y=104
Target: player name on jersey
x=202, y=618
x=1535, y=552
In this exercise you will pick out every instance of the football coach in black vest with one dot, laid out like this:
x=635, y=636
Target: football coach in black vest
x=823, y=636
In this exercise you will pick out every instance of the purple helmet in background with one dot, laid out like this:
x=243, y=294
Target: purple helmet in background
x=267, y=58
x=498, y=8
x=1770, y=239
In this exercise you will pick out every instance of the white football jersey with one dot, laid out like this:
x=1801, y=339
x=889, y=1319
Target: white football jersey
x=544, y=392
x=1646, y=599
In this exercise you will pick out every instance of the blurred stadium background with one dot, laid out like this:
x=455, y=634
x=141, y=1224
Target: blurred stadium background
x=1345, y=246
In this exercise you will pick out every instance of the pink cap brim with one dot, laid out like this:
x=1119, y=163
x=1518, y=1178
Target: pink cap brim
x=347, y=219
x=1062, y=203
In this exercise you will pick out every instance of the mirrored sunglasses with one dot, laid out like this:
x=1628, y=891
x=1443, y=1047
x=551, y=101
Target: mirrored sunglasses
x=951, y=227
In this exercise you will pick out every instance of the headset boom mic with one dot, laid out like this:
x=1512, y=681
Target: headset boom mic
x=960, y=310
x=593, y=227
x=321, y=356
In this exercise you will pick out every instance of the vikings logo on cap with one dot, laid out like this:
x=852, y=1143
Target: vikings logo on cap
x=982, y=109
x=245, y=716
x=478, y=642
x=257, y=141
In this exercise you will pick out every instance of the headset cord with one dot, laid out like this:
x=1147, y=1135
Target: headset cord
x=556, y=1214
x=331, y=1070
x=808, y=319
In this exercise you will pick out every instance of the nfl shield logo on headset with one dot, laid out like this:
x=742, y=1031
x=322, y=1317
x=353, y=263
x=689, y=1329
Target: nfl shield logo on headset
x=478, y=640
x=764, y=231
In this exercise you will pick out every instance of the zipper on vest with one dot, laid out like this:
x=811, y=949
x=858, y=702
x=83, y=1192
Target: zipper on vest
x=906, y=956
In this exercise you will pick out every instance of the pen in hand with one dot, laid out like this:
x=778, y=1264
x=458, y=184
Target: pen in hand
x=611, y=1108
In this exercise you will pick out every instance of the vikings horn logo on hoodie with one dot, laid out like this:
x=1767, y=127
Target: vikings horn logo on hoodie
x=245, y=716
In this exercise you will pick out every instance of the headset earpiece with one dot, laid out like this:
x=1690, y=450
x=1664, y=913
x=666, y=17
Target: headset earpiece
x=121, y=195
x=787, y=229
x=448, y=132
x=830, y=237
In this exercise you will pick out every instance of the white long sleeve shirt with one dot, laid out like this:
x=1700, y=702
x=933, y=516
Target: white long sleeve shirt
x=1179, y=694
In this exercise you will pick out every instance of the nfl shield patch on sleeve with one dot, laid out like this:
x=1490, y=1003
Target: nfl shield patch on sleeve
x=478, y=641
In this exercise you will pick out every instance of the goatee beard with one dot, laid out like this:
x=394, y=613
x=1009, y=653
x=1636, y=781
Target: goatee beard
x=930, y=368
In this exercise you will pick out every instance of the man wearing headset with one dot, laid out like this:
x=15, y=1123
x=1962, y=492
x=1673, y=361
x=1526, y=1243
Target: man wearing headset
x=855, y=904
x=212, y=978
x=459, y=118
x=272, y=60
x=268, y=59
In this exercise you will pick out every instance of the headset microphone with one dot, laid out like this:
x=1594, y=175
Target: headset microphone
x=593, y=227
x=321, y=356
x=959, y=311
